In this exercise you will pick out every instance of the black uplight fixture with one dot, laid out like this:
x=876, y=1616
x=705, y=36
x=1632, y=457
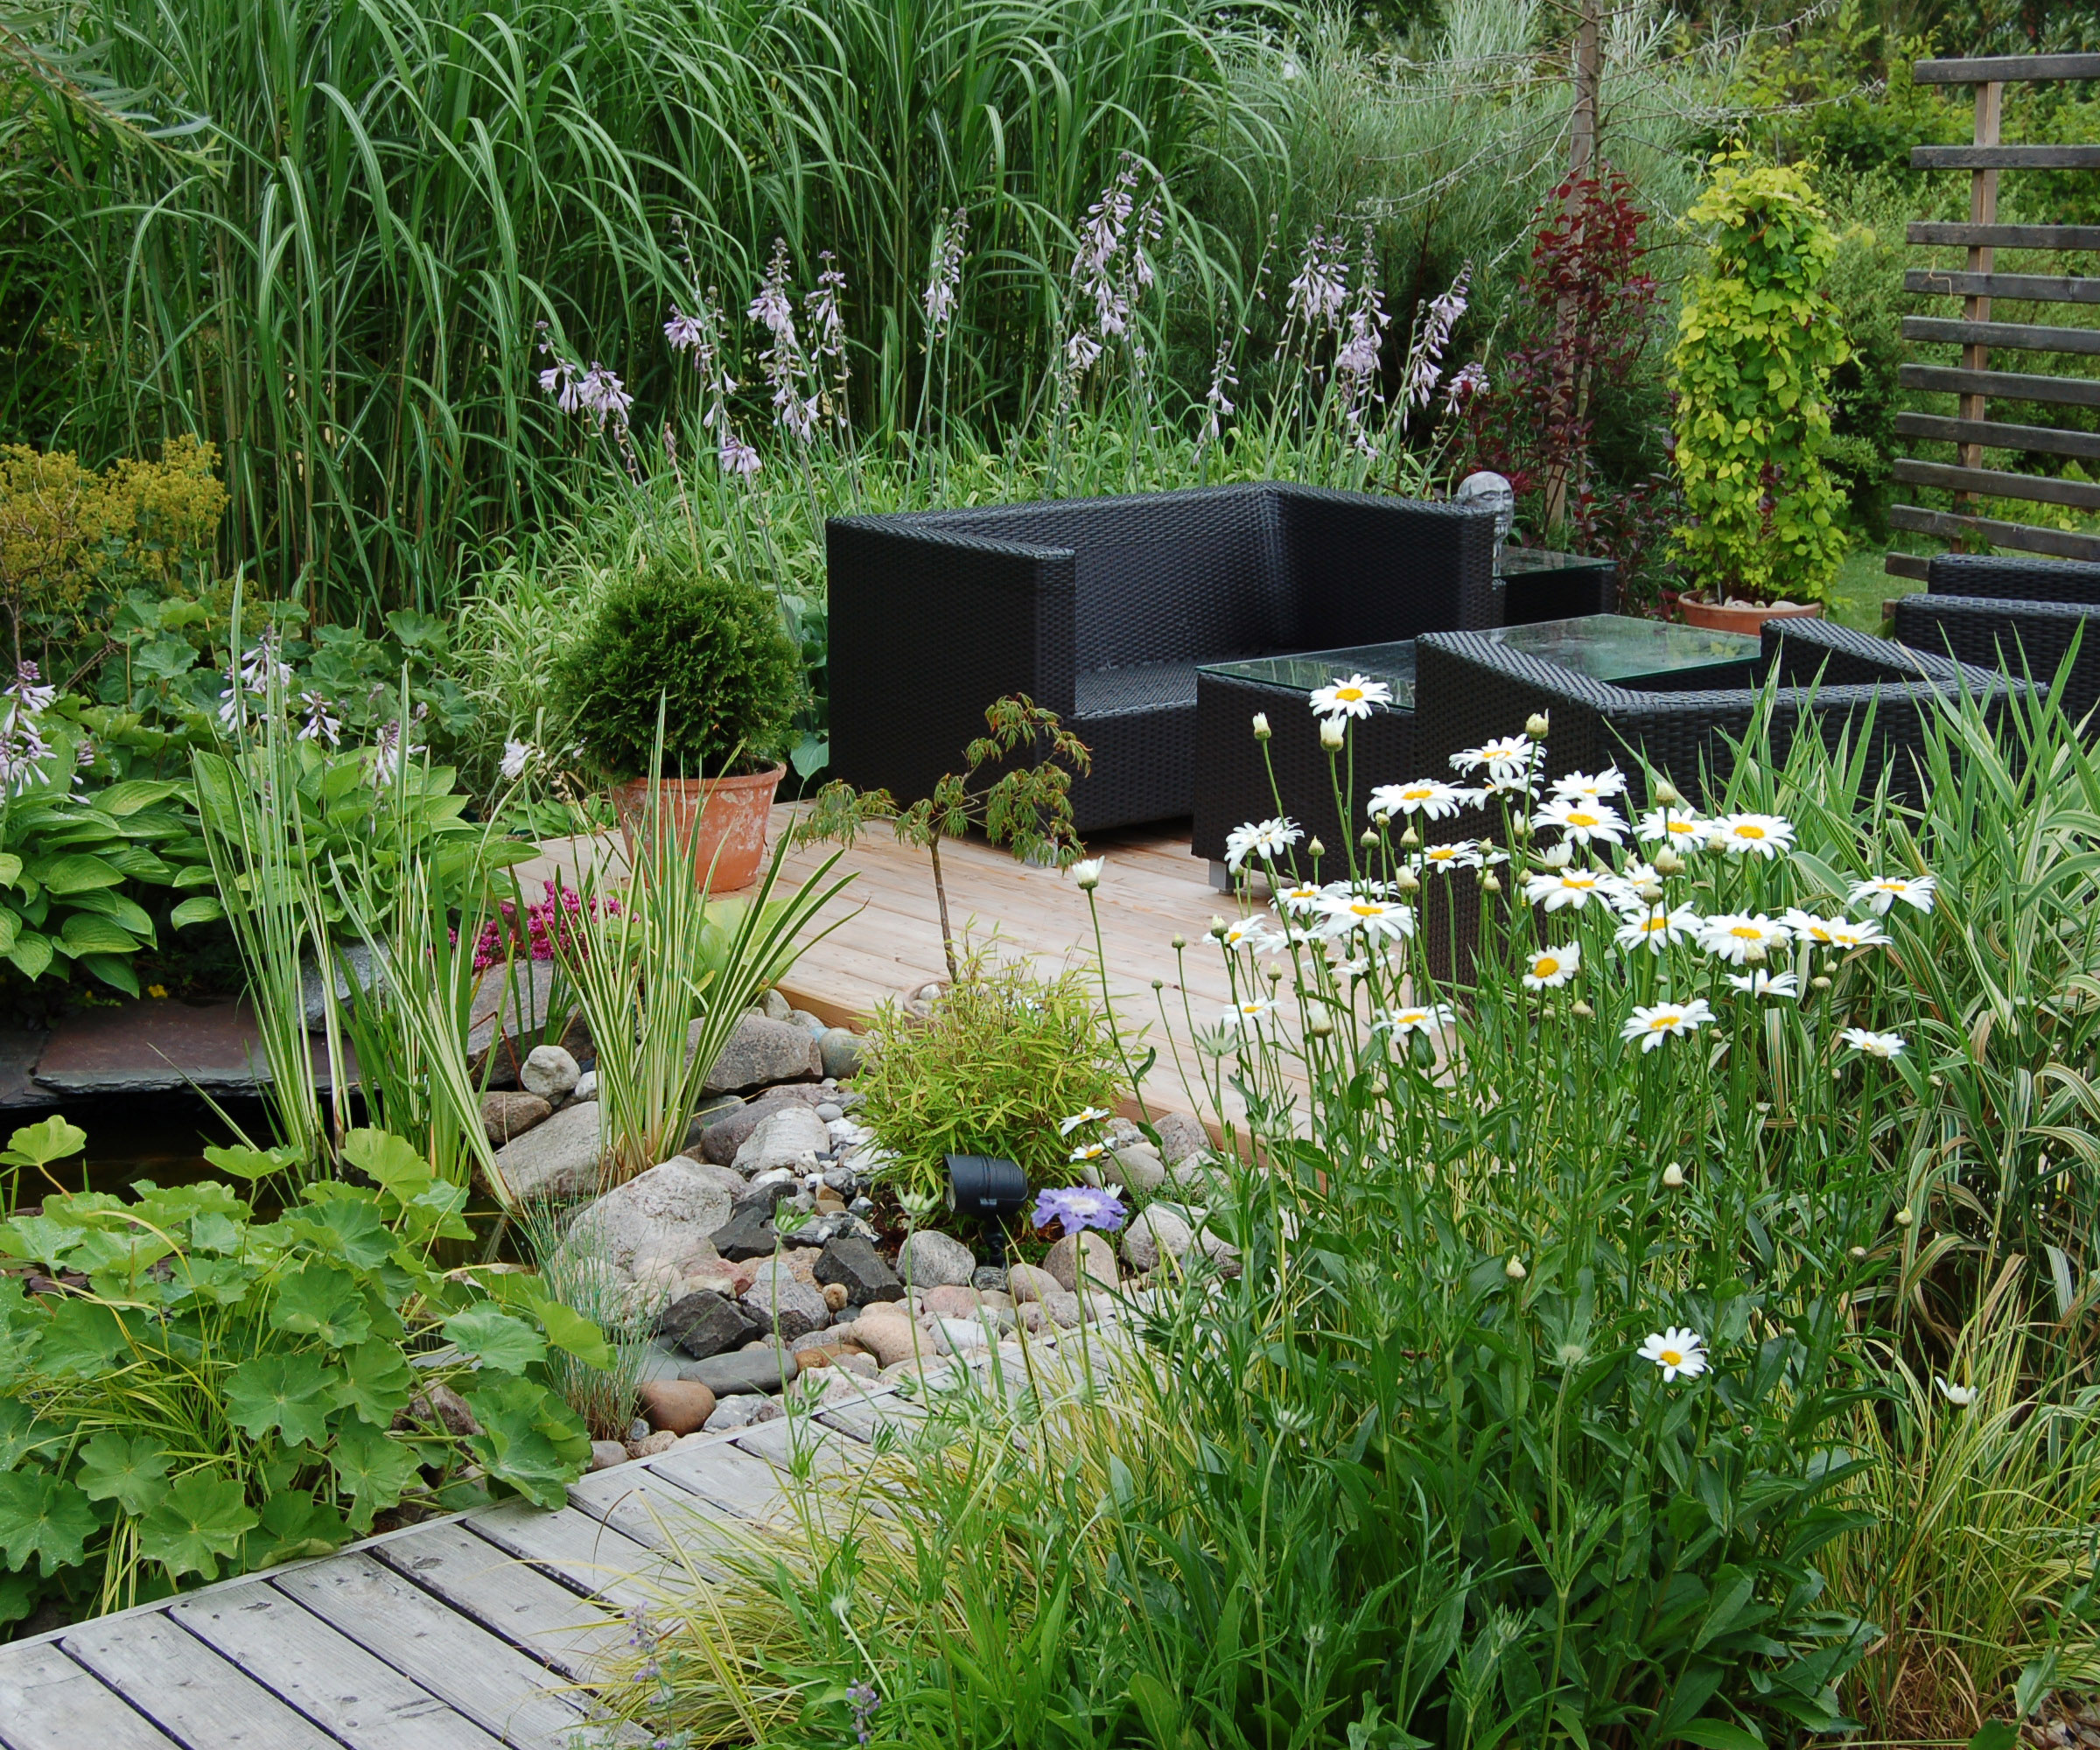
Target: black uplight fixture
x=988, y=1188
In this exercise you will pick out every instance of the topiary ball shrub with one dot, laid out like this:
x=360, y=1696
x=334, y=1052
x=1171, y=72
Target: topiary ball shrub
x=711, y=647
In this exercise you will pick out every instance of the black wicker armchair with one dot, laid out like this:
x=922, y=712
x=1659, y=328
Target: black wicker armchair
x=2022, y=613
x=1100, y=609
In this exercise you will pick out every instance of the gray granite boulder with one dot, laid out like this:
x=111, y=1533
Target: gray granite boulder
x=760, y=1051
x=783, y=1306
x=1181, y=1138
x=1155, y=1234
x=727, y=1129
x=665, y=1213
x=549, y=1072
x=840, y=1049
x=929, y=1259
x=558, y=1159
x=706, y=1323
x=507, y=1116
x=782, y=1138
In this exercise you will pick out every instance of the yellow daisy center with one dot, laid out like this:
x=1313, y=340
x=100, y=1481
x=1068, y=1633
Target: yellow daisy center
x=1579, y=880
x=1683, y=828
x=1663, y=1021
x=1348, y=696
x=1672, y=1358
x=1749, y=830
x=1653, y=924
x=1367, y=908
x=1746, y=932
x=1576, y=817
x=1544, y=967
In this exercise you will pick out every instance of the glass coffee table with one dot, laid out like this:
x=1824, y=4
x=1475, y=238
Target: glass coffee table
x=1233, y=780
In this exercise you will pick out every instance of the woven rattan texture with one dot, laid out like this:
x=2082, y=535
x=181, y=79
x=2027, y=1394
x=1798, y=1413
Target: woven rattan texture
x=2027, y=638
x=2005, y=579
x=936, y=615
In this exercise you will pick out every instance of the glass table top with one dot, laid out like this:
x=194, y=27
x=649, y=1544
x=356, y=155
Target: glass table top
x=1620, y=648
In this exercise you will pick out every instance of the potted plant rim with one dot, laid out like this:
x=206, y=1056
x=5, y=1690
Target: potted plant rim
x=704, y=656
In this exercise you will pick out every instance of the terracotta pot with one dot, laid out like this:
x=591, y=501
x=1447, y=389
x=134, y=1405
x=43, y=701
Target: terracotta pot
x=720, y=821
x=1718, y=616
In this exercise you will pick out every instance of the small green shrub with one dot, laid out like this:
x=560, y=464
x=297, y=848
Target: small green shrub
x=1757, y=340
x=1002, y=1058
x=710, y=647
x=219, y=1392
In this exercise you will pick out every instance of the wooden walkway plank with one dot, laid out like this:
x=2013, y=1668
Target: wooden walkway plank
x=464, y=1664
x=576, y=1548
x=505, y=1595
x=200, y=1700
x=730, y=1479
x=358, y=1699
x=658, y=1511
x=49, y=1703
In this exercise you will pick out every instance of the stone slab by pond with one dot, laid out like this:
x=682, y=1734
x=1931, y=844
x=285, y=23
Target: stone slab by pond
x=155, y=1046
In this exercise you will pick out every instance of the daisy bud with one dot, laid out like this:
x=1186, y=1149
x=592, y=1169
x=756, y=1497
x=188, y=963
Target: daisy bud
x=1904, y=1218
x=1490, y=883
x=1409, y=839
x=1320, y=1027
x=1087, y=874
x=1754, y=954
x=1858, y=1252
x=1673, y=1176
x=1669, y=863
x=1217, y=926
x=1581, y=1011
x=1315, y=849
x=1276, y=973
x=1380, y=1087
x=1667, y=794
x=1819, y=982
x=1406, y=881
x=1331, y=732
x=1651, y=890
x=1179, y=943
x=1514, y=1269
x=1369, y=840
x=1520, y=828
x=1261, y=726
x=1536, y=725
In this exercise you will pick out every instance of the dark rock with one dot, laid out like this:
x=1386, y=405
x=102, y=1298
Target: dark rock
x=768, y=1196
x=989, y=1276
x=840, y=1049
x=856, y=1266
x=748, y=1233
x=789, y=1308
x=706, y=1323
x=505, y=1116
x=760, y=1051
x=761, y=1370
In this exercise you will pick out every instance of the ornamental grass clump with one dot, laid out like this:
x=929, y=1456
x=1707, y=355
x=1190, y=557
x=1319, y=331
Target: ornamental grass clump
x=993, y=1067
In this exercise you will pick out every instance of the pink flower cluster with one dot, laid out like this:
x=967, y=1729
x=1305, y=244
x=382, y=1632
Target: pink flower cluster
x=546, y=930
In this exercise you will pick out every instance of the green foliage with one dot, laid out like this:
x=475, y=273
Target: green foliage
x=991, y=1068
x=221, y=1392
x=1757, y=339
x=700, y=651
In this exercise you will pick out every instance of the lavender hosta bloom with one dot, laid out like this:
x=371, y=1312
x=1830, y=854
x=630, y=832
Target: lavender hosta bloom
x=320, y=724
x=944, y=280
x=601, y=396
x=1218, y=403
x=1315, y=299
x=1079, y=1206
x=683, y=333
x=1471, y=381
x=29, y=693
x=738, y=459
x=389, y=750
x=785, y=366
x=1425, y=358
x=22, y=752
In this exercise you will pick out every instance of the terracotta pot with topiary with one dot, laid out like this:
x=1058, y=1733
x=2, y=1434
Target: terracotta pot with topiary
x=705, y=654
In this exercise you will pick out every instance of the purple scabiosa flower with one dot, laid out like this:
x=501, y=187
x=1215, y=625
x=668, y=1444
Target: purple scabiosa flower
x=1079, y=1206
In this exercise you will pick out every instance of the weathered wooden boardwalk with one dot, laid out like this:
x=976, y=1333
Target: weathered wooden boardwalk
x=461, y=1634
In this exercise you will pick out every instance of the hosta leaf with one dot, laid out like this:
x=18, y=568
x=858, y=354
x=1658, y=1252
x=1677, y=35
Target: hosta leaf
x=45, y=1517
x=373, y=1469
x=495, y=1339
x=75, y=873
x=198, y=908
x=321, y=1301
x=85, y=933
x=130, y=1469
x=11, y=927
x=122, y=910
x=113, y=970
x=134, y=794
x=568, y=1329
x=286, y=1392
x=30, y=955
x=202, y=1520
x=376, y=1381
x=529, y=1438
x=11, y=868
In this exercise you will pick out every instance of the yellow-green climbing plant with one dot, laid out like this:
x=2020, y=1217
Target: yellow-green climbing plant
x=1757, y=339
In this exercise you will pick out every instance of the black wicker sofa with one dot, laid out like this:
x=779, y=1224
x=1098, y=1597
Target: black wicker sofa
x=1987, y=609
x=1100, y=609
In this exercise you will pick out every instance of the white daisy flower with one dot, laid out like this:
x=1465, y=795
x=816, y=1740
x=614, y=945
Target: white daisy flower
x=1752, y=835
x=1959, y=1396
x=1463, y=855
x=1737, y=937
x=1401, y=1022
x=1760, y=982
x=1609, y=783
x=1879, y=893
x=1087, y=872
x=1584, y=820
x=1676, y=1352
x=1352, y=698
x=1883, y=1046
x=1656, y=1022
x=1252, y=933
x=1507, y=759
x=1680, y=829
x=1845, y=933
x=1267, y=839
x=1303, y=897
x=1251, y=1017
x=1087, y=1115
x=1555, y=888
x=1550, y=968
x=1087, y=1152
x=1365, y=912
x=1656, y=927
x=1819, y=931
x=1428, y=797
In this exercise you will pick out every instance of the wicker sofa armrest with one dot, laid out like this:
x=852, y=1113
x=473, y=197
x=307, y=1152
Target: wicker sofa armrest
x=2029, y=639
x=1821, y=653
x=1370, y=570
x=1994, y=577
x=926, y=629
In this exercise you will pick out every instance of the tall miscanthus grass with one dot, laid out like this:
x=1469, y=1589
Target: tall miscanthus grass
x=337, y=274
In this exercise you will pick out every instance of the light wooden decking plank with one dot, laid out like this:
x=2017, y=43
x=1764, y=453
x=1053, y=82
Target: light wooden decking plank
x=49, y=1703
x=453, y=1656
x=731, y=1478
x=202, y=1701
x=505, y=1595
x=357, y=1698
x=658, y=1511
x=576, y=1548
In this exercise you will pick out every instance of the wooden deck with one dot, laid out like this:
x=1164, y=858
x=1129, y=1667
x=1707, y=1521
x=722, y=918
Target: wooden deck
x=463, y=1634
x=1152, y=889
